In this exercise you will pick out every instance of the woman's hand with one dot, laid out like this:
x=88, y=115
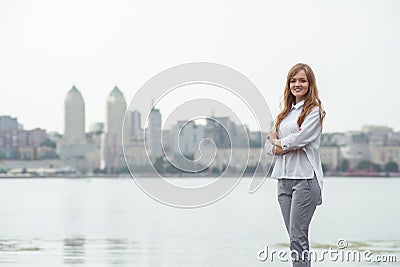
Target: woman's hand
x=272, y=135
x=274, y=139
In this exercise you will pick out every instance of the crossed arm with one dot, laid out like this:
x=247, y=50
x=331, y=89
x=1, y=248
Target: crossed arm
x=276, y=148
x=309, y=131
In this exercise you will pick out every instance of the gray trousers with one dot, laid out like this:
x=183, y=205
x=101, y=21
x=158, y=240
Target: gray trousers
x=298, y=199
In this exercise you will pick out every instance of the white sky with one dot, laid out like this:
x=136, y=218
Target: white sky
x=48, y=46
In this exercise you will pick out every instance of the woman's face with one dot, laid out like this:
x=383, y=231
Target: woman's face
x=299, y=85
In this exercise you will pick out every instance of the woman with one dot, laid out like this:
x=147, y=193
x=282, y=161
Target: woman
x=295, y=141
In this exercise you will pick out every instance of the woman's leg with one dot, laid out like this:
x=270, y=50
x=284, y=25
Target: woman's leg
x=285, y=199
x=306, y=194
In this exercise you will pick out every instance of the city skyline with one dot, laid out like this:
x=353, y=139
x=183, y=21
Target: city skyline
x=110, y=146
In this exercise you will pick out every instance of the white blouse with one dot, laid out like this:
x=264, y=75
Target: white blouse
x=305, y=159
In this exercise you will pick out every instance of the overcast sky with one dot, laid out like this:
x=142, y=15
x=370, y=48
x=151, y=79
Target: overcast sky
x=47, y=47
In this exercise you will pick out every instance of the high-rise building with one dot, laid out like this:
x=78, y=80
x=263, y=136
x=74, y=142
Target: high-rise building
x=111, y=148
x=8, y=123
x=218, y=130
x=133, y=126
x=74, y=147
x=153, y=134
x=185, y=137
x=74, y=117
x=137, y=131
x=116, y=107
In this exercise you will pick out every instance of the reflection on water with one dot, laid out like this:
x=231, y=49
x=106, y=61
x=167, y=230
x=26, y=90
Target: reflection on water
x=74, y=250
x=116, y=251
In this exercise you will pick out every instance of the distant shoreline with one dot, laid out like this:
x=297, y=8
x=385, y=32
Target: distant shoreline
x=124, y=176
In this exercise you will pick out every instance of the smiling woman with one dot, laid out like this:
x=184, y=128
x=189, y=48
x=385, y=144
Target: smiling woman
x=295, y=141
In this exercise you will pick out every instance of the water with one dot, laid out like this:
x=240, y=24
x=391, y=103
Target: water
x=110, y=222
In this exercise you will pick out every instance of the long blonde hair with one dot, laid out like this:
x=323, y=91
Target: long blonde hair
x=311, y=99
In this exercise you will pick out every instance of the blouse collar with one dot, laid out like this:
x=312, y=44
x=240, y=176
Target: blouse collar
x=298, y=105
